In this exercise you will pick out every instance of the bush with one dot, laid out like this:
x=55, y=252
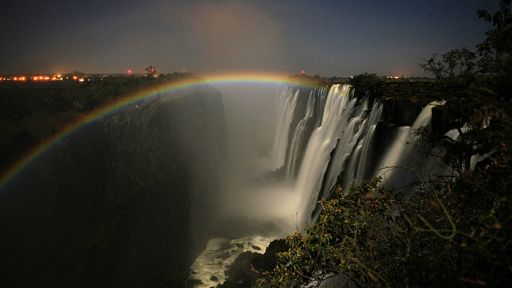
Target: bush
x=367, y=85
x=356, y=235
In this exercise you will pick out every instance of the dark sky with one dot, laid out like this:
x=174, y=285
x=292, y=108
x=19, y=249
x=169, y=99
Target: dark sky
x=325, y=37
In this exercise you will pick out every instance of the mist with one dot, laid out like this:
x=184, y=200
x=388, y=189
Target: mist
x=253, y=199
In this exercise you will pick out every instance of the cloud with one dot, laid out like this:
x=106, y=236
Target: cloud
x=230, y=36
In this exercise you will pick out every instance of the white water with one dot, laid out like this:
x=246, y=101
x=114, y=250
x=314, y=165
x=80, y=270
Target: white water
x=357, y=168
x=286, y=107
x=298, y=137
x=335, y=121
x=340, y=145
x=398, y=159
x=220, y=253
x=394, y=153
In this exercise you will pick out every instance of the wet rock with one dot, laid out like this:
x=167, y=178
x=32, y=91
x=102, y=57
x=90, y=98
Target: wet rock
x=244, y=271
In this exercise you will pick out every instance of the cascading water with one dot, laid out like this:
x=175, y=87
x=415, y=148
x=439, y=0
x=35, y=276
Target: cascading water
x=400, y=161
x=342, y=125
x=286, y=104
x=357, y=169
x=323, y=136
x=338, y=144
x=298, y=136
x=339, y=149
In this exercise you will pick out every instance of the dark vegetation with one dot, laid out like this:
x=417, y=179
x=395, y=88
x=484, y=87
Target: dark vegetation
x=30, y=112
x=19, y=100
x=451, y=231
x=116, y=204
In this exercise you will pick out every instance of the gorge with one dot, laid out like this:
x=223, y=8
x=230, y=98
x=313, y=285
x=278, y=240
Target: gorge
x=196, y=177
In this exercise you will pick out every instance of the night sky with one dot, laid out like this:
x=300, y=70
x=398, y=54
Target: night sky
x=322, y=37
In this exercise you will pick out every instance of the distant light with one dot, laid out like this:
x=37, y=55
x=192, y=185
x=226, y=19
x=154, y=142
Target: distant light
x=130, y=72
x=81, y=80
x=302, y=72
x=75, y=78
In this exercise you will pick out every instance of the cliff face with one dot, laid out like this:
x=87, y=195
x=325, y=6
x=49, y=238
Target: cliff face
x=125, y=201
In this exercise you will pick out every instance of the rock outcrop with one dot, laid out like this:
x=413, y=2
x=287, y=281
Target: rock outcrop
x=123, y=202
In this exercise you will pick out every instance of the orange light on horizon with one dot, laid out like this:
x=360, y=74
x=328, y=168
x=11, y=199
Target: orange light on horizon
x=75, y=78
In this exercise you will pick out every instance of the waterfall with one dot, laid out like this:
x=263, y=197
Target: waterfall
x=335, y=122
x=394, y=153
x=297, y=140
x=340, y=146
x=286, y=103
x=357, y=169
x=324, y=137
x=342, y=129
x=401, y=161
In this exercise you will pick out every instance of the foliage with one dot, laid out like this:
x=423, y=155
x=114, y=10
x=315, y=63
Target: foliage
x=462, y=72
x=450, y=231
x=20, y=100
x=496, y=50
x=456, y=70
x=476, y=86
x=95, y=211
x=367, y=84
x=353, y=231
x=30, y=111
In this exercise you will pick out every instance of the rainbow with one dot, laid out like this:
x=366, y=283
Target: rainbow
x=174, y=86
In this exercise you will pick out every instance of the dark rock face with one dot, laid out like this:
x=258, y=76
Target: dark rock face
x=385, y=133
x=400, y=112
x=403, y=101
x=245, y=270
x=125, y=201
x=14, y=146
